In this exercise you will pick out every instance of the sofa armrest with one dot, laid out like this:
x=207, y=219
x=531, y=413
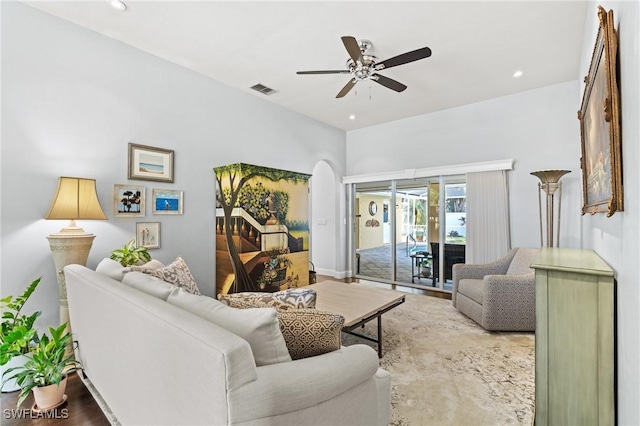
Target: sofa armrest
x=504, y=287
x=474, y=271
x=296, y=385
x=509, y=302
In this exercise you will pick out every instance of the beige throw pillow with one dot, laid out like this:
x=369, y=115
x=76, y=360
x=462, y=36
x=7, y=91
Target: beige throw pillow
x=151, y=265
x=259, y=326
x=112, y=269
x=178, y=274
x=294, y=298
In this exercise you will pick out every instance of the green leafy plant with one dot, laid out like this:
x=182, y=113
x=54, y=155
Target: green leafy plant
x=17, y=331
x=48, y=363
x=130, y=254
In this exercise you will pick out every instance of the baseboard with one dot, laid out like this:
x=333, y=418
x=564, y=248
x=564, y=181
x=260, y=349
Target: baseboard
x=332, y=273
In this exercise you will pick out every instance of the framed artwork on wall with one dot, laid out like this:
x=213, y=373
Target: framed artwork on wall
x=599, y=116
x=148, y=234
x=128, y=200
x=150, y=163
x=167, y=201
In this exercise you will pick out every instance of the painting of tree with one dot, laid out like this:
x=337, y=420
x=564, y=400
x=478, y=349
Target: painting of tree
x=131, y=201
x=230, y=180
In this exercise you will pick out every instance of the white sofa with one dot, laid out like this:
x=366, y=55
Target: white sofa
x=154, y=363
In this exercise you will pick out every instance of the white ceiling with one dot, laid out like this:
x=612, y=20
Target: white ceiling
x=477, y=45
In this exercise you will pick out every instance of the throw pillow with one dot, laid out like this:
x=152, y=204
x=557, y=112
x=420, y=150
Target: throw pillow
x=112, y=269
x=148, y=284
x=308, y=332
x=258, y=326
x=151, y=265
x=177, y=273
x=253, y=302
x=294, y=298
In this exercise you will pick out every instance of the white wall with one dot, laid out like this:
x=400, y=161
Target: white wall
x=617, y=238
x=538, y=129
x=324, y=221
x=71, y=101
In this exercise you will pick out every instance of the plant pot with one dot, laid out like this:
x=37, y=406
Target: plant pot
x=16, y=361
x=426, y=272
x=48, y=397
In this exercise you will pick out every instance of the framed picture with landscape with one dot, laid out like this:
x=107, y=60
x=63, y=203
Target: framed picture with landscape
x=599, y=116
x=167, y=201
x=128, y=200
x=150, y=163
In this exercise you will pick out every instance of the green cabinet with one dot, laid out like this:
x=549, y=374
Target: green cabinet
x=575, y=338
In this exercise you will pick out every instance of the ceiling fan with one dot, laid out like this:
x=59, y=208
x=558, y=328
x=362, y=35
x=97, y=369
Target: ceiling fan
x=366, y=67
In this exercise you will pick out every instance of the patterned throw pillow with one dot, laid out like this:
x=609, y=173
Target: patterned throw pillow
x=294, y=298
x=308, y=332
x=151, y=265
x=177, y=274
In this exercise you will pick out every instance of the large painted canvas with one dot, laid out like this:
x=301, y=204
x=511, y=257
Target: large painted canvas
x=262, y=229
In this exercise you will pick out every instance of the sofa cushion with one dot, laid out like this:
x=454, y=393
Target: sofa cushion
x=148, y=284
x=177, y=273
x=520, y=265
x=258, y=326
x=112, y=269
x=473, y=289
x=294, y=298
x=151, y=265
x=308, y=332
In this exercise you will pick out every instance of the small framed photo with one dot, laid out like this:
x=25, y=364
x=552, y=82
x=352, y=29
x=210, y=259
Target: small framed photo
x=128, y=200
x=167, y=201
x=148, y=234
x=150, y=163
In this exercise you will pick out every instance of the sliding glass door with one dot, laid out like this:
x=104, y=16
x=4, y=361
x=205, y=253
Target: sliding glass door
x=408, y=230
x=373, y=232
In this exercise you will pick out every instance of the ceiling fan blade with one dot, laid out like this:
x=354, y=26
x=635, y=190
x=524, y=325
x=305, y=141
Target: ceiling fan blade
x=405, y=58
x=346, y=88
x=324, y=72
x=388, y=82
x=352, y=46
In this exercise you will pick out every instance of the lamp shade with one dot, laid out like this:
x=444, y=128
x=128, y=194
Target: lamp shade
x=75, y=198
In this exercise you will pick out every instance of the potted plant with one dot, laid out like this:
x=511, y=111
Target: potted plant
x=16, y=332
x=425, y=267
x=45, y=372
x=130, y=254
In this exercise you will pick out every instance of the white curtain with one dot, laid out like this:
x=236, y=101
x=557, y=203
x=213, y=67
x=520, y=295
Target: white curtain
x=488, y=236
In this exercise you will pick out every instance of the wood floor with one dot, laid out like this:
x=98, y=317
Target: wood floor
x=81, y=408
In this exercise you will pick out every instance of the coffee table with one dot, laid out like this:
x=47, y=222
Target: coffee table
x=358, y=304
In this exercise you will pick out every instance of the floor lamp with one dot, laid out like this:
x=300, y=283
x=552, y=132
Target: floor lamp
x=75, y=198
x=552, y=187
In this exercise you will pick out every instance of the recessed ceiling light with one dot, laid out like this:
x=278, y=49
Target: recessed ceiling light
x=517, y=74
x=118, y=5
x=352, y=117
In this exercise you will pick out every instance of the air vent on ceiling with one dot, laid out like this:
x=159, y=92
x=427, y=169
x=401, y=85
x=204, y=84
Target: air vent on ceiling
x=263, y=89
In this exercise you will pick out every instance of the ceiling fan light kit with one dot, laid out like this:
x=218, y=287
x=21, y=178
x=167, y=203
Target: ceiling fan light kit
x=364, y=67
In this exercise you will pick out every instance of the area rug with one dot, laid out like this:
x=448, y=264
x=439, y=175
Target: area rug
x=447, y=370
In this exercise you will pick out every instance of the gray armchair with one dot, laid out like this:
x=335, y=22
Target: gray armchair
x=499, y=295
